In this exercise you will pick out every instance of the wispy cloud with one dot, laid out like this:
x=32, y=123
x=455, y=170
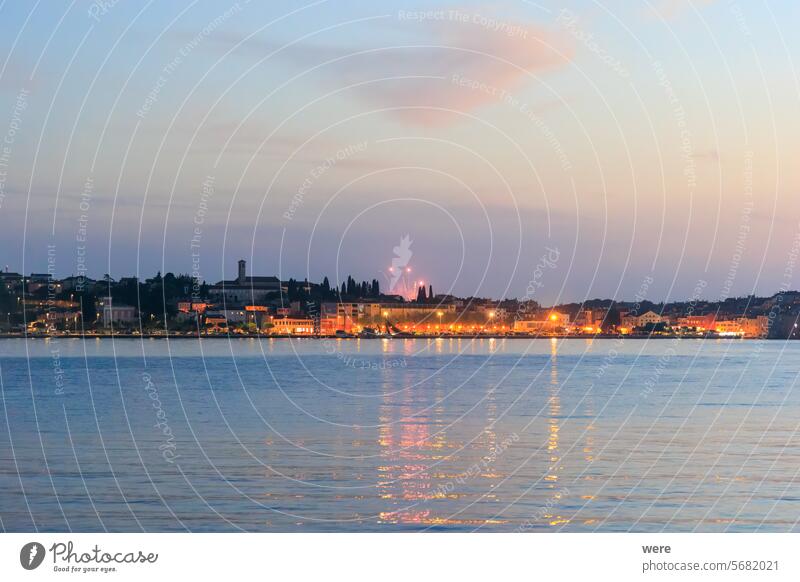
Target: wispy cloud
x=463, y=67
x=673, y=8
x=418, y=80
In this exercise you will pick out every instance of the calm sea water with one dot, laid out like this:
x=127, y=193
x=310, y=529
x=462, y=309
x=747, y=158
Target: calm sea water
x=399, y=435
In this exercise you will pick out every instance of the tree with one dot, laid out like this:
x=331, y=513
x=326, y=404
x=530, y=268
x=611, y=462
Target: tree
x=88, y=308
x=430, y=292
x=8, y=305
x=127, y=292
x=6, y=301
x=612, y=320
x=421, y=297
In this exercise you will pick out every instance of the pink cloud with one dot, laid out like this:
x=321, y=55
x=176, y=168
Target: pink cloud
x=450, y=64
x=462, y=67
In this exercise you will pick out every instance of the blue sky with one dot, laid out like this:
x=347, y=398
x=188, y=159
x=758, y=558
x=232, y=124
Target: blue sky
x=639, y=140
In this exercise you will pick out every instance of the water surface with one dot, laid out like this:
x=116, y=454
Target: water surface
x=399, y=435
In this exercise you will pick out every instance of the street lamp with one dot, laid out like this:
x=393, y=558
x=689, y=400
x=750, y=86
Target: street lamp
x=486, y=325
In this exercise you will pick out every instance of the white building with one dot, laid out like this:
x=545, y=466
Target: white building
x=117, y=314
x=650, y=317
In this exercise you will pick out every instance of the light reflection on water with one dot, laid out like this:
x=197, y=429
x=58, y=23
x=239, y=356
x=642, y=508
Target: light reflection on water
x=444, y=435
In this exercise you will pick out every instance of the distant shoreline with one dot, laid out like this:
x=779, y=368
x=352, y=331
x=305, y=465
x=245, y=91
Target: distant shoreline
x=420, y=336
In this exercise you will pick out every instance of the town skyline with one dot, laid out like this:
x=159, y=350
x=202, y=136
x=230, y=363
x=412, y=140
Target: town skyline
x=314, y=138
x=701, y=292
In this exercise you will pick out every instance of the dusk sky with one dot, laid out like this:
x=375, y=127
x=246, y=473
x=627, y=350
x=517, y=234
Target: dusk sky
x=626, y=141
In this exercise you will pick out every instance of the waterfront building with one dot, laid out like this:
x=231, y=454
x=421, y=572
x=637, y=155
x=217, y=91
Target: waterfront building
x=699, y=322
x=491, y=311
x=629, y=322
x=650, y=318
x=550, y=322
x=257, y=315
x=231, y=316
x=755, y=327
x=293, y=309
x=355, y=316
x=215, y=323
x=590, y=320
x=292, y=326
x=728, y=327
x=117, y=314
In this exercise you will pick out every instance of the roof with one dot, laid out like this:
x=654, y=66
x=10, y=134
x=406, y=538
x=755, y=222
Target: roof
x=249, y=283
x=76, y=277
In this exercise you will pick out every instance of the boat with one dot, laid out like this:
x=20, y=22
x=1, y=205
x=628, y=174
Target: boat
x=369, y=332
x=393, y=331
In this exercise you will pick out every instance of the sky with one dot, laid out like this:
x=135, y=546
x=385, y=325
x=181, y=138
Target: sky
x=556, y=151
